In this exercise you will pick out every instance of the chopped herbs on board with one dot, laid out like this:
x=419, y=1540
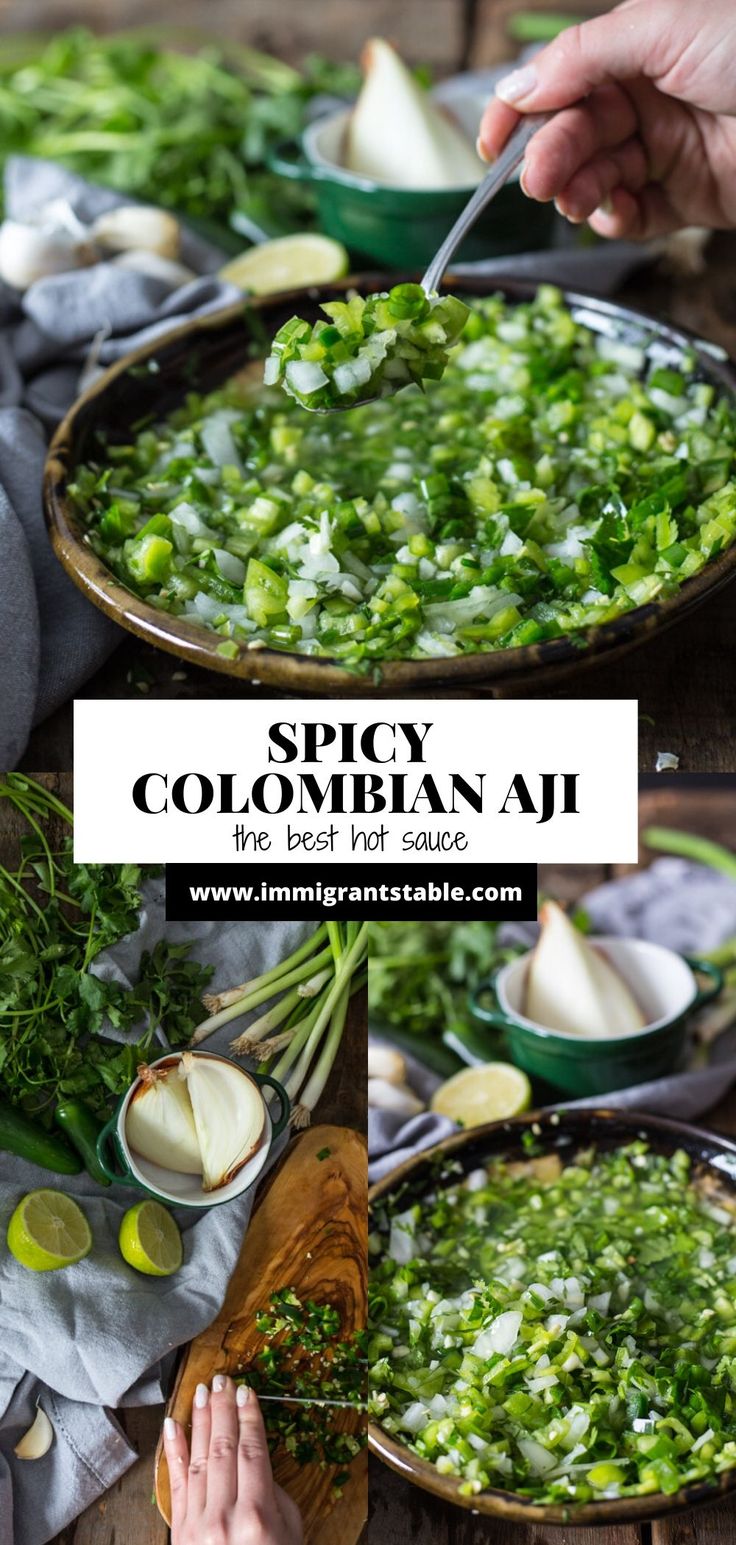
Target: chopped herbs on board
x=305, y=1355
x=552, y=479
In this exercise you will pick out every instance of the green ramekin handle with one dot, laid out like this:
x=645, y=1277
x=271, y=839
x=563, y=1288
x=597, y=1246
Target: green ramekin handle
x=493, y=1017
x=288, y=160
x=107, y=1155
x=715, y=980
x=277, y=1127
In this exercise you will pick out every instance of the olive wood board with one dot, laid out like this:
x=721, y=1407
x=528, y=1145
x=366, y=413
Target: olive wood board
x=308, y=1232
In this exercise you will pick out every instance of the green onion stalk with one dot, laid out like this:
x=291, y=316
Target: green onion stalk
x=303, y=1027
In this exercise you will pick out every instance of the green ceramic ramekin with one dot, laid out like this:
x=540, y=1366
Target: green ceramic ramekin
x=127, y=1168
x=401, y=227
x=666, y=989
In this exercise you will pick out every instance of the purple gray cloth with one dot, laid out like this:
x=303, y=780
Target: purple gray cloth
x=675, y=903
x=51, y=638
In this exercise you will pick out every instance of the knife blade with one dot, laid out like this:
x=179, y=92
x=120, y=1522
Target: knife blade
x=313, y=1400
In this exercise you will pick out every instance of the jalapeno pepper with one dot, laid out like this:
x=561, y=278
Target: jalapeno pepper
x=82, y=1128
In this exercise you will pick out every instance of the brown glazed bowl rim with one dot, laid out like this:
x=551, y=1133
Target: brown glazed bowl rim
x=555, y=1130
x=502, y=671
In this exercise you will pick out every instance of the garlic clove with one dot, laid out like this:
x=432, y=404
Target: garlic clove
x=137, y=226
x=156, y=266
x=159, y=1123
x=32, y=252
x=37, y=1440
x=229, y=1115
x=573, y=988
x=399, y=1098
x=386, y=1062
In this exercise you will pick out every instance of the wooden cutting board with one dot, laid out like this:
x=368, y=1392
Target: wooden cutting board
x=308, y=1232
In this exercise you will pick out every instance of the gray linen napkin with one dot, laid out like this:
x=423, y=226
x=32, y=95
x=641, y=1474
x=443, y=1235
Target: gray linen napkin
x=682, y=905
x=100, y=1334
x=51, y=638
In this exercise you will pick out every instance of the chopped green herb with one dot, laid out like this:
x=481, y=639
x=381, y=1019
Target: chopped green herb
x=324, y=1153
x=304, y=1356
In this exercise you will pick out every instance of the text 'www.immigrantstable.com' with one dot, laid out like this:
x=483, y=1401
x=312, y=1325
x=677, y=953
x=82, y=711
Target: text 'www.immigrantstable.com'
x=493, y=891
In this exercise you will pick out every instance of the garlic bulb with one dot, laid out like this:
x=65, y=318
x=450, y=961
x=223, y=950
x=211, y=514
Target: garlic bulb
x=229, y=1115
x=133, y=227
x=385, y=1062
x=572, y=987
x=160, y=1125
x=37, y=1440
x=31, y=252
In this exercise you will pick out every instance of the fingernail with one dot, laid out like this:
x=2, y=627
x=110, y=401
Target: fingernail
x=201, y=1396
x=243, y=1395
x=605, y=207
x=218, y=1383
x=481, y=149
x=520, y=83
x=169, y=1429
x=522, y=182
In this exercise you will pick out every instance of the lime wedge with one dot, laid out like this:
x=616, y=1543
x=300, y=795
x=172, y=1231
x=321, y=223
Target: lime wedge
x=47, y=1231
x=287, y=264
x=150, y=1240
x=493, y=1092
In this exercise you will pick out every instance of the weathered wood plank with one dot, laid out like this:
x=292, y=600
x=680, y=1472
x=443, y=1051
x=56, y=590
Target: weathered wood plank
x=13, y=826
x=127, y=1515
x=491, y=42
x=400, y=1512
x=427, y=31
x=711, y=1526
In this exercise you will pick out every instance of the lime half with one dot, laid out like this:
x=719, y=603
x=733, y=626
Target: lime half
x=287, y=264
x=150, y=1240
x=493, y=1092
x=47, y=1231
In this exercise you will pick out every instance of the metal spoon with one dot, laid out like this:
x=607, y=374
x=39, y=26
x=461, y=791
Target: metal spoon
x=495, y=179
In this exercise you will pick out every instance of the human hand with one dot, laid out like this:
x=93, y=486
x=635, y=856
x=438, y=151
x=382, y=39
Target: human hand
x=650, y=143
x=224, y=1492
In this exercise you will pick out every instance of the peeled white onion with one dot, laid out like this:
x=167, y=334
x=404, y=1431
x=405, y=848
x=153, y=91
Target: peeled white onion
x=229, y=1115
x=160, y=1122
x=573, y=988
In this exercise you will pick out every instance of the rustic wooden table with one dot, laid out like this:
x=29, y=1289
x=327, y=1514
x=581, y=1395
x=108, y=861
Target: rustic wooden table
x=685, y=680
x=127, y=1515
x=400, y=1512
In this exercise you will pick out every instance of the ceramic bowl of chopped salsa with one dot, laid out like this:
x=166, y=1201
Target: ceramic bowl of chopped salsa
x=563, y=492
x=553, y=1318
